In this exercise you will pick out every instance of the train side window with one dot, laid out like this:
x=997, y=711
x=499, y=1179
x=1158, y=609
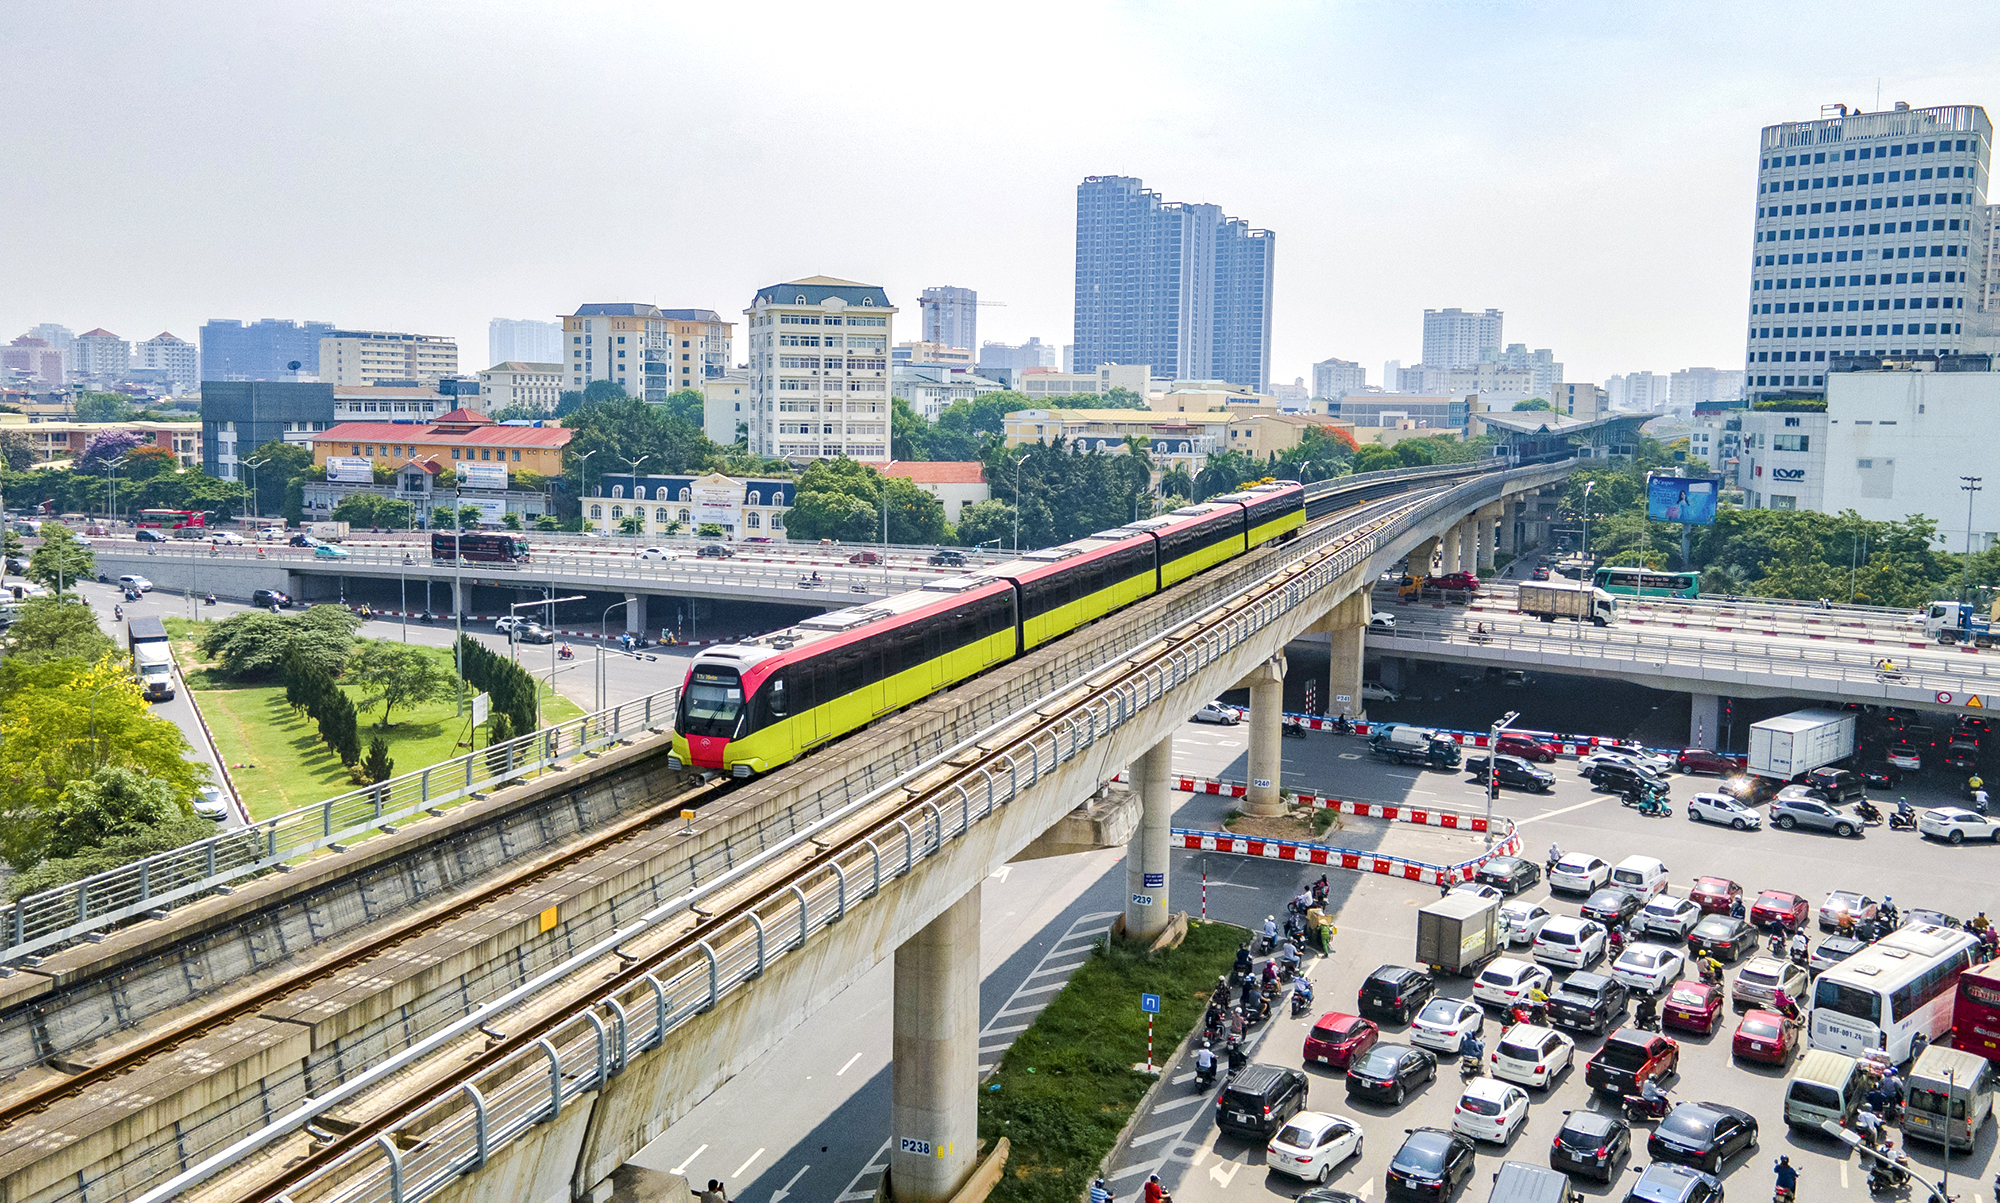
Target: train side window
x=847, y=671
x=777, y=692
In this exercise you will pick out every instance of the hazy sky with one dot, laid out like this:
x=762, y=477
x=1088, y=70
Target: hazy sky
x=1587, y=168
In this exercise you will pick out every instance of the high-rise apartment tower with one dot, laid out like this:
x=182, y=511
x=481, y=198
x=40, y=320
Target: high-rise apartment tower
x=1454, y=338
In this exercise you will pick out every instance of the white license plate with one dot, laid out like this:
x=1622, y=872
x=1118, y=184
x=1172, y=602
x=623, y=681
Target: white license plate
x=1323, y=1061
x=1240, y=1117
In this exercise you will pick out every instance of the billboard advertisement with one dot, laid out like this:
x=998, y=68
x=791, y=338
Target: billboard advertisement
x=482, y=476
x=492, y=510
x=719, y=501
x=1681, y=499
x=350, y=470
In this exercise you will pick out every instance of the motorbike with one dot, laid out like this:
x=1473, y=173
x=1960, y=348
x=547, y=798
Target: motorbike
x=1294, y=730
x=1638, y=1110
x=1867, y=811
x=118, y=613
x=1204, y=1077
x=1711, y=975
x=1655, y=807
x=1902, y=820
x=565, y=653
x=209, y=600
x=1265, y=943
x=1884, y=1177
x=1646, y=1014
x=1470, y=1068
x=1302, y=1002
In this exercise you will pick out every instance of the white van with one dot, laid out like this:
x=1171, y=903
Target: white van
x=1948, y=1081
x=1826, y=1085
x=1643, y=875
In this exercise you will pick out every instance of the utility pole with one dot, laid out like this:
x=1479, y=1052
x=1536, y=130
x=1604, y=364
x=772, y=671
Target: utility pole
x=1017, y=499
x=1588, y=485
x=1970, y=484
x=256, y=512
x=1493, y=768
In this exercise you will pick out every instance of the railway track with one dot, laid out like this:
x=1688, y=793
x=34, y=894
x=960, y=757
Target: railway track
x=911, y=803
x=129, y=1057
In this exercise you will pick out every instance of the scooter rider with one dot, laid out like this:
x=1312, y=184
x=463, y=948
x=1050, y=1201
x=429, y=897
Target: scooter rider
x=1788, y=1176
x=1271, y=930
x=1800, y=946
x=1555, y=856
x=1302, y=994
x=1245, y=963
x=1646, y=1013
x=1288, y=959
x=1204, y=1064
x=1654, y=1098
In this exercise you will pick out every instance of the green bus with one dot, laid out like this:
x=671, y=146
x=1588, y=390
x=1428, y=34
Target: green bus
x=1648, y=582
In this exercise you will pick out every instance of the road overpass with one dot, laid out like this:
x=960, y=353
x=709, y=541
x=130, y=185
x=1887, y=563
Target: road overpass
x=1713, y=648
x=523, y=1044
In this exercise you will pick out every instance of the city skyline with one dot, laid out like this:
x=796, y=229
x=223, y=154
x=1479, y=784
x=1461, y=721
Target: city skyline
x=1366, y=250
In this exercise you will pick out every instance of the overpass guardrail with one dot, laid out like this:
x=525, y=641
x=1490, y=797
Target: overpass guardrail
x=416, y=1149
x=46, y=920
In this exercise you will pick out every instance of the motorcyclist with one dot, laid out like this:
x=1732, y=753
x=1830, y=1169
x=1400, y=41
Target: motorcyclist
x=1204, y=1062
x=1646, y=1013
x=1320, y=889
x=1100, y=1193
x=1710, y=969
x=566, y=652
x=1788, y=1007
x=1736, y=910
x=1979, y=923
x=1271, y=930
x=1555, y=855
x=1237, y=1057
x=1800, y=946
x=1245, y=963
x=1270, y=974
x=1654, y=1098
x=118, y=612
x=1155, y=1193
x=1787, y=1175
x=1302, y=992
x=1869, y=1125
x=1979, y=799
x=211, y=599
x=1471, y=1048
x=1288, y=958
x=1887, y=911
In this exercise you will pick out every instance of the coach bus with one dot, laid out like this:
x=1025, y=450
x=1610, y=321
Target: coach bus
x=1900, y=985
x=1648, y=582
x=1975, y=1017
x=479, y=546
x=171, y=519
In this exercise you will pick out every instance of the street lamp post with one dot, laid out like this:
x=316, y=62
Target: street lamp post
x=632, y=469
x=1588, y=485
x=582, y=472
x=111, y=506
x=256, y=511
x=1971, y=487
x=1017, y=499
x=1493, y=768
x=513, y=641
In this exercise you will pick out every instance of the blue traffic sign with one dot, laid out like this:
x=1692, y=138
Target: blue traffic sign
x=1149, y=1003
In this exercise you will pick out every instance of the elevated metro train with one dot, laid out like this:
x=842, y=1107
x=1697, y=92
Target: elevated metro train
x=746, y=708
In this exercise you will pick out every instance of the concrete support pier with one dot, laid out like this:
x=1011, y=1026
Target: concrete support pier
x=1346, y=628
x=934, y=1076
x=635, y=613
x=1267, y=719
x=1146, y=855
x=1704, y=721
x=1453, y=537
x=1483, y=551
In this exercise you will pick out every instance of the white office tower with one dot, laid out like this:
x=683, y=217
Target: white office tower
x=1454, y=338
x=819, y=370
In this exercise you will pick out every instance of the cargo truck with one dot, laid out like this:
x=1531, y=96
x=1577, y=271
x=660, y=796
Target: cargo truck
x=152, y=660
x=1578, y=602
x=1951, y=622
x=1416, y=745
x=1789, y=745
x=327, y=532
x=1458, y=933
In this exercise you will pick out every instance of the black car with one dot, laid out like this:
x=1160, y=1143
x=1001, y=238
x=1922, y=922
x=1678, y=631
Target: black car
x=1703, y=1135
x=714, y=551
x=1724, y=937
x=1664, y=1182
x=1394, y=993
x=1621, y=778
x=1882, y=773
x=1589, y=1002
x=1509, y=874
x=1592, y=1144
x=144, y=535
x=1387, y=1073
x=264, y=599
x=302, y=539
x=946, y=557
x=1612, y=906
x=1513, y=772
x=1836, y=785
x=1431, y=1165
x=1259, y=1099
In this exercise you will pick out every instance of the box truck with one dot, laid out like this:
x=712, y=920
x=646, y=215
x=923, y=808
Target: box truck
x=1550, y=600
x=1458, y=933
x=1786, y=746
x=1416, y=745
x=152, y=659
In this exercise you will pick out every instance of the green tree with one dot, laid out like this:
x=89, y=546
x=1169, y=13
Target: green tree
x=378, y=766
x=1533, y=404
x=830, y=514
x=511, y=520
x=16, y=451
x=60, y=722
x=548, y=522
x=986, y=522
x=1176, y=481
x=257, y=643
x=499, y=729
x=399, y=674
x=60, y=561
x=49, y=629
x=688, y=404
x=373, y=509
x=113, y=801
x=1065, y=495
x=1226, y=472
x=279, y=465
x=633, y=524
x=103, y=407
x=149, y=460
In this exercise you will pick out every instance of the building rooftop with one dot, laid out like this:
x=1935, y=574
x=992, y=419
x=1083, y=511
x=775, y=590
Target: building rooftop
x=691, y=315
x=938, y=472
x=488, y=435
x=618, y=309
x=516, y=365
x=392, y=392
x=100, y=332
x=814, y=289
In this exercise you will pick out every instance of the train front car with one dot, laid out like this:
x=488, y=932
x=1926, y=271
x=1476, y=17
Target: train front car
x=1276, y=511
x=750, y=707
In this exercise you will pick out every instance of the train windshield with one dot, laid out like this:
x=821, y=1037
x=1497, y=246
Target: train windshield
x=713, y=704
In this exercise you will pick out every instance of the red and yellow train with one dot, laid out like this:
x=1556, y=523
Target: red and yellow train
x=746, y=708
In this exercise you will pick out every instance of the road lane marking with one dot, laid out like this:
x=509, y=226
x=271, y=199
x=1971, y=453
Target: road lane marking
x=836, y=1073
x=1550, y=814
x=1153, y=1137
x=1177, y=1104
x=682, y=1167
x=746, y=1163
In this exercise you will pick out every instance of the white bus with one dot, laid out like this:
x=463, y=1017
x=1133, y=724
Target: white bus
x=1882, y=996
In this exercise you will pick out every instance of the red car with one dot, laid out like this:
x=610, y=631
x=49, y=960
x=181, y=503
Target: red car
x=1540, y=574
x=1455, y=580
x=1528, y=749
x=1715, y=895
x=1338, y=1038
x=1788, y=909
x=1692, y=1006
x=1764, y=1036
x=865, y=557
x=1701, y=760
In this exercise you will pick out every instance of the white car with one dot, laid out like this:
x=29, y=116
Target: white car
x=1522, y=919
x=508, y=622
x=228, y=538
x=1507, y=980
x=1580, y=874
x=1312, y=1145
x=208, y=804
x=1635, y=757
x=1648, y=967
x=1382, y=622
x=135, y=582
x=1721, y=808
x=1442, y=1024
x=1569, y=943
x=1371, y=692
x=1479, y=889
x=1667, y=916
x=1216, y=712
x=1955, y=825
x=1530, y=1055
x=658, y=553
x=1490, y=1110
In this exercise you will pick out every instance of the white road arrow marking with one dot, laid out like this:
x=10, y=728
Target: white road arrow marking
x=1367, y=1188
x=786, y=1189
x=1002, y=872
x=682, y=1167
x=1215, y=1172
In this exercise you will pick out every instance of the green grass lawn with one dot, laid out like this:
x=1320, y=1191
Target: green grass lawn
x=1067, y=1086
x=275, y=755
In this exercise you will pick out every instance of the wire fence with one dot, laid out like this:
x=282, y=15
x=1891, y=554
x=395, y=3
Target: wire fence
x=460, y=1128
x=48, y=919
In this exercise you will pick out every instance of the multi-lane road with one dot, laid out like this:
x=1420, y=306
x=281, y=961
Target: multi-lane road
x=821, y=1096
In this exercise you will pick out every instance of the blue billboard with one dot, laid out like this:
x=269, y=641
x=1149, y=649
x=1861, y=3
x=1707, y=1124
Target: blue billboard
x=1681, y=499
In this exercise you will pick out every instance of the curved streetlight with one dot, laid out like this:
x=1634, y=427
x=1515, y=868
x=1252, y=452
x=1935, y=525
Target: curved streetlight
x=1017, y=499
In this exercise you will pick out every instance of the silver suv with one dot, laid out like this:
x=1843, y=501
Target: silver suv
x=1794, y=807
